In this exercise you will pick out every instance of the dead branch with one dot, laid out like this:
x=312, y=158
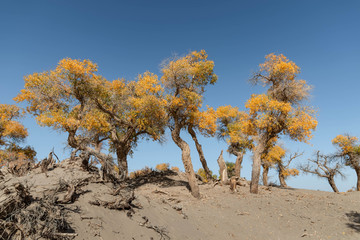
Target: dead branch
x=49, y=161
x=160, y=230
x=320, y=167
x=123, y=200
x=223, y=168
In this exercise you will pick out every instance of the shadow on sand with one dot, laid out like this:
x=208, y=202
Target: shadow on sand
x=162, y=179
x=354, y=218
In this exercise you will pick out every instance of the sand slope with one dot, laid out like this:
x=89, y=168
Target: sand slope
x=166, y=210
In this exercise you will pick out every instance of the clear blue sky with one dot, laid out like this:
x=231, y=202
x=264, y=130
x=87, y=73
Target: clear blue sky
x=126, y=38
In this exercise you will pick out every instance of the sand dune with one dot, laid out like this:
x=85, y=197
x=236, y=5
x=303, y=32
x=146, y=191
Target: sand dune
x=163, y=208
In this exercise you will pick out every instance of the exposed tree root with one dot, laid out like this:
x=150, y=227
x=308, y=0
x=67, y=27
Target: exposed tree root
x=122, y=201
x=160, y=230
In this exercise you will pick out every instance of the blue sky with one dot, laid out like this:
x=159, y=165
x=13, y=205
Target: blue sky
x=126, y=38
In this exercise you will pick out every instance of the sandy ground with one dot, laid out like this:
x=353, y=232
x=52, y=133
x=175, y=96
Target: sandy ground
x=166, y=210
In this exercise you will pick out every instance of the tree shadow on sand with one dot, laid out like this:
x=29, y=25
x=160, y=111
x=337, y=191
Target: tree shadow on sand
x=162, y=179
x=354, y=218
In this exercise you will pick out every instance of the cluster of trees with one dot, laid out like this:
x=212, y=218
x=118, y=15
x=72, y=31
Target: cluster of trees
x=12, y=134
x=97, y=113
x=330, y=165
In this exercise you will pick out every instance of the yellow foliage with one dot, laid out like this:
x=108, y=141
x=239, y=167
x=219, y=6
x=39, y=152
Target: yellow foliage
x=73, y=98
x=9, y=127
x=300, y=124
x=11, y=133
x=234, y=126
x=201, y=172
x=345, y=143
x=275, y=154
x=139, y=173
x=264, y=104
x=272, y=116
x=279, y=74
x=56, y=97
x=175, y=169
x=185, y=79
x=290, y=172
x=162, y=167
x=207, y=121
x=227, y=112
x=278, y=66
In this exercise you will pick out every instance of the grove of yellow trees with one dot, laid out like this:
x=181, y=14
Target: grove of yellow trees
x=95, y=112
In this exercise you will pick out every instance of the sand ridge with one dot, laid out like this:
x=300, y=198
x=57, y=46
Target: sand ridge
x=163, y=208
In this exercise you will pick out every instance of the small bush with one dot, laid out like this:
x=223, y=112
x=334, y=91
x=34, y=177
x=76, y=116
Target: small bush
x=138, y=173
x=162, y=167
x=175, y=169
x=202, y=174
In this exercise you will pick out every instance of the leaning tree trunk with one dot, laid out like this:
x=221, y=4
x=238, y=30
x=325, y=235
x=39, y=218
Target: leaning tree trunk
x=357, y=170
x=282, y=180
x=332, y=183
x=256, y=167
x=281, y=172
x=121, y=153
x=186, y=158
x=265, y=174
x=223, y=169
x=105, y=160
x=238, y=162
x=201, y=153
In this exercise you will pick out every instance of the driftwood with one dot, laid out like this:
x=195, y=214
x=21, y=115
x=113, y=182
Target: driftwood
x=73, y=190
x=9, y=230
x=160, y=230
x=122, y=201
x=223, y=169
x=22, y=217
x=19, y=167
x=43, y=219
x=49, y=161
x=70, y=195
x=14, y=199
x=233, y=182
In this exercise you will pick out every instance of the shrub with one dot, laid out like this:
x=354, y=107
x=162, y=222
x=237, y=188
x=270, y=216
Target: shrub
x=230, y=169
x=202, y=174
x=138, y=173
x=162, y=167
x=175, y=169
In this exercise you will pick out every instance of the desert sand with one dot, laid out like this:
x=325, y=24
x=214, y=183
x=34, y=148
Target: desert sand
x=163, y=208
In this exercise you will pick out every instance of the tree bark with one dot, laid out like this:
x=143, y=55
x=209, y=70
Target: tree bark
x=281, y=175
x=186, y=158
x=238, y=162
x=332, y=183
x=357, y=170
x=256, y=167
x=105, y=160
x=201, y=153
x=265, y=174
x=122, y=153
x=282, y=181
x=223, y=168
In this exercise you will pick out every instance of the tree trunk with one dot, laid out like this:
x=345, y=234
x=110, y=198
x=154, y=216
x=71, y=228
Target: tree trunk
x=238, y=162
x=186, y=158
x=282, y=181
x=98, y=146
x=201, y=153
x=223, y=169
x=256, y=167
x=332, y=183
x=265, y=174
x=121, y=153
x=281, y=175
x=105, y=160
x=358, y=178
